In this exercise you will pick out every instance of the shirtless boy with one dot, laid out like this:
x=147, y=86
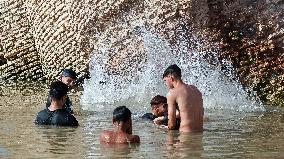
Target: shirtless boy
x=186, y=98
x=123, y=128
x=159, y=113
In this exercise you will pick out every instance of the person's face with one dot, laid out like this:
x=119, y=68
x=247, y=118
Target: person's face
x=70, y=82
x=169, y=81
x=159, y=109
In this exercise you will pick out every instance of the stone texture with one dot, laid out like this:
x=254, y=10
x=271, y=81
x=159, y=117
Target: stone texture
x=18, y=56
x=39, y=38
x=251, y=37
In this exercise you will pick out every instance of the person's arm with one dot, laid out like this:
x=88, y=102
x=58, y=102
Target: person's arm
x=171, y=111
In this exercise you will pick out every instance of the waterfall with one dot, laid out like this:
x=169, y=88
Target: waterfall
x=136, y=86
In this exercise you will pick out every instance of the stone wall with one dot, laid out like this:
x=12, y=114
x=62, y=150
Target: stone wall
x=39, y=38
x=19, y=58
x=252, y=38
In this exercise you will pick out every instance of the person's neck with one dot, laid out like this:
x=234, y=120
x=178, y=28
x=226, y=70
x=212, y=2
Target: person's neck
x=55, y=105
x=178, y=83
x=121, y=128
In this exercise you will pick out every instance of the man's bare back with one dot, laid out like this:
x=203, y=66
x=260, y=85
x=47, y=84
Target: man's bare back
x=186, y=98
x=112, y=137
x=189, y=101
x=122, y=133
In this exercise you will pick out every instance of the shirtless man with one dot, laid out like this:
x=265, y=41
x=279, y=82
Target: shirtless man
x=159, y=113
x=186, y=98
x=123, y=128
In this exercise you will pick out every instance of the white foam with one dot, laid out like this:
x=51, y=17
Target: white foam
x=135, y=90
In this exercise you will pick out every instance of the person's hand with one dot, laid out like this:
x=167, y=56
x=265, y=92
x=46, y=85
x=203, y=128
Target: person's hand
x=158, y=120
x=164, y=126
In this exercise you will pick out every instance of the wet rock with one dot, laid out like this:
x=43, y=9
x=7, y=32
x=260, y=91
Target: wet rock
x=39, y=38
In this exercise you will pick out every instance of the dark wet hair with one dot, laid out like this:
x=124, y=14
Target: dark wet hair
x=69, y=73
x=172, y=70
x=121, y=113
x=57, y=90
x=157, y=100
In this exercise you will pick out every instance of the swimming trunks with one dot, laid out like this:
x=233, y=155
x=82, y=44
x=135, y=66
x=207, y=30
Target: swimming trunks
x=59, y=117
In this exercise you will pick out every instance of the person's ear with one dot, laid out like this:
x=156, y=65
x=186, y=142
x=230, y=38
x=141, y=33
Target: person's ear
x=113, y=121
x=64, y=98
x=172, y=77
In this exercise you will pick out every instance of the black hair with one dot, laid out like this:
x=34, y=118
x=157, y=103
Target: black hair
x=121, y=113
x=69, y=73
x=172, y=70
x=157, y=100
x=57, y=90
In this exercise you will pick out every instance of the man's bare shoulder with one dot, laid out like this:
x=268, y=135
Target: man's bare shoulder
x=172, y=93
x=124, y=138
x=111, y=137
x=106, y=136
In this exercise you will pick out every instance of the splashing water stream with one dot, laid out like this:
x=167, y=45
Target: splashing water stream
x=136, y=88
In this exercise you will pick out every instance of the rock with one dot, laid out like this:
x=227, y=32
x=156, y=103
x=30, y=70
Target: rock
x=40, y=38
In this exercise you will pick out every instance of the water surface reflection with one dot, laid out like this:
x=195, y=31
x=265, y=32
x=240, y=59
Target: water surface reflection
x=184, y=145
x=227, y=134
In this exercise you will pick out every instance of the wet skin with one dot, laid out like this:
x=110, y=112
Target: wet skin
x=188, y=99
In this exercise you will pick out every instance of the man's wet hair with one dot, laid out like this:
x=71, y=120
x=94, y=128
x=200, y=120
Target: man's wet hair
x=57, y=90
x=121, y=113
x=172, y=70
x=158, y=99
x=69, y=73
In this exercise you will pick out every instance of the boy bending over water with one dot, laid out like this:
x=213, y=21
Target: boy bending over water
x=160, y=112
x=123, y=128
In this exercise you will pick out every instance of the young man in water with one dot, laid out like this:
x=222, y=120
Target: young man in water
x=123, y=128
x=185, y=98
x=160, y=111
x=159, y=108
x=68, y=77
x=56, y=114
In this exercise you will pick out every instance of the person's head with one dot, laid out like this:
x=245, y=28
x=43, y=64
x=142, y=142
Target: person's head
x=122, y=117
x=58, y=91
x=159, y=105
x=68, y=77
x=172, y=73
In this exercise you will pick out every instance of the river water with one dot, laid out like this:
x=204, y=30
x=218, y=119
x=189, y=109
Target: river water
x=227, y=134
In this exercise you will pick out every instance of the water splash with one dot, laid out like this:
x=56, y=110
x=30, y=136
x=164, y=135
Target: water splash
x=136, y=87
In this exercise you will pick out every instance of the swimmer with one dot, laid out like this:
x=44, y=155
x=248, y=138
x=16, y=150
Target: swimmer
x=68, y=77
x=123, y=128
x=159, y=113
x=185, y=98
x=56, y=114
